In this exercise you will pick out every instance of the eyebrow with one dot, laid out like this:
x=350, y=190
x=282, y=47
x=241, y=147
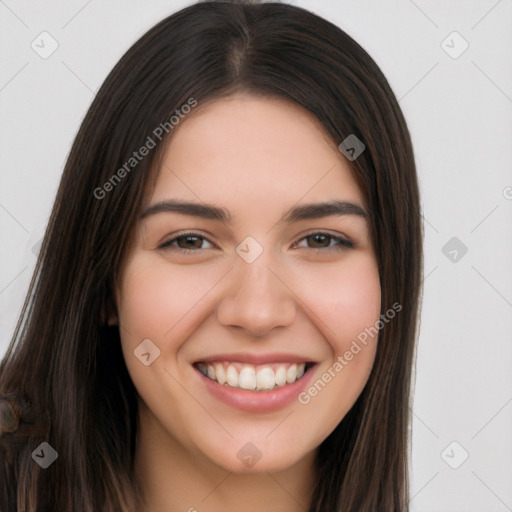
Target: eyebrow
x=318, y=210
x=294, y=214
x=203, y=210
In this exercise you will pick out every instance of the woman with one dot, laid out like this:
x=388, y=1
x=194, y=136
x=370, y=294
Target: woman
x=224, y=309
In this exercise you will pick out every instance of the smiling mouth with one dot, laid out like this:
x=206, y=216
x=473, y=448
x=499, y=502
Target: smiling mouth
x=265, y=377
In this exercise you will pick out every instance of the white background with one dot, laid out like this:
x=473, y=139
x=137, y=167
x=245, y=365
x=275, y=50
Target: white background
x=459, y=113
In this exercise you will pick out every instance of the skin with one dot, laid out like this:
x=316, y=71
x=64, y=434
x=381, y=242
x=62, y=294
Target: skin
x=255, y=157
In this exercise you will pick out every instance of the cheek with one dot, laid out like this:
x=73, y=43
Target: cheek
x=158, y=303
x=165, y=305
x=347, y=299
x=154, y=300
x=348, y=304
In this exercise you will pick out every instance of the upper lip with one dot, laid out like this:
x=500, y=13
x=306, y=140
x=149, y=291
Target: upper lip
x=256, y=359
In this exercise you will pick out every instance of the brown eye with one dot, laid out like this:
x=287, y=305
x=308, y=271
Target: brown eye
x=187, y=242
x=319, y=240
x=324, y=241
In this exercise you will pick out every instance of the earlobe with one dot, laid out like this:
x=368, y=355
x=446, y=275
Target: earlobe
x=109, y=313
x=112, y=320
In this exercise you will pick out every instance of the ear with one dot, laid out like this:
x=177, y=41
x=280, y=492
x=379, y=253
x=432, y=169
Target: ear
x=112, y=319
x=109, y=312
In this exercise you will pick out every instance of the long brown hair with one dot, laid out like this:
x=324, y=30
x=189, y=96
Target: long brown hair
x=64, y=376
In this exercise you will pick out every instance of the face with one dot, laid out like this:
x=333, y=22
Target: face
x=250, y=279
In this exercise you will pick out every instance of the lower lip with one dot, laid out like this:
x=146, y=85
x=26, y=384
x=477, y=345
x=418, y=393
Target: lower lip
x=257, y=401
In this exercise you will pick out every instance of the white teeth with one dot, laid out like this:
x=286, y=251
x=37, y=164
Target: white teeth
x=247, y=378
x=220, y=374
x=264, y=379
x=281, y=376
x=232, y=376
x=291, y=374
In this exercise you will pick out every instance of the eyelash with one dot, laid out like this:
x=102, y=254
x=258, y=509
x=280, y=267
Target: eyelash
x=342, y=243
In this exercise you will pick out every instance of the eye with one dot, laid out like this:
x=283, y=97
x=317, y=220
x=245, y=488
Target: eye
x=319, y=240
x=187, y=242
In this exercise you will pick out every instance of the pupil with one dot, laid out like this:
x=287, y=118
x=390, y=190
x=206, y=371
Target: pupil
x=190, y=242
x=319, y=240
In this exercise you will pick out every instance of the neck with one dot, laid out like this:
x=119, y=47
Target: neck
x=175, y=479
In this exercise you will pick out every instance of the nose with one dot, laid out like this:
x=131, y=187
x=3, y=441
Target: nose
x=258, y=299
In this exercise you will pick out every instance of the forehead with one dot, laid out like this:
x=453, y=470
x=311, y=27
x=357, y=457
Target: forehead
x=243, y=150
